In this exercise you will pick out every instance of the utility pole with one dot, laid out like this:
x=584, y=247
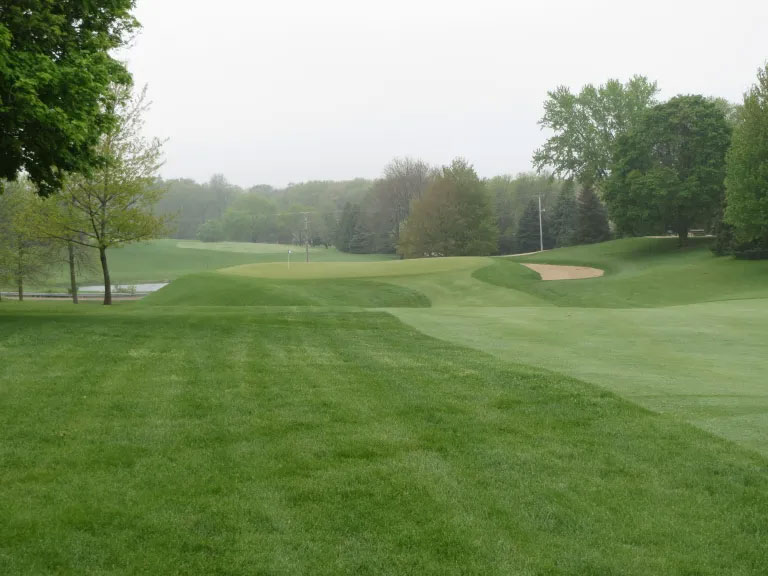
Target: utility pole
x=541, y=229
x=306, y=232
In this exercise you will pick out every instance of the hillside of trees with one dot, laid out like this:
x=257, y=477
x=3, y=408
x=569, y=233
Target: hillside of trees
x=371, y=216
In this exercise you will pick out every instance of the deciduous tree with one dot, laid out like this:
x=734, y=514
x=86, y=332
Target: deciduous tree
x=586, y=125
x=56, y=69
x=24, y=254
x=113, y=205
x=747, y=168
x=669, y=170
x=454, y=217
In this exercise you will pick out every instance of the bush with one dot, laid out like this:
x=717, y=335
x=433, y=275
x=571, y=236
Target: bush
x=751, y=252
x=211, y=231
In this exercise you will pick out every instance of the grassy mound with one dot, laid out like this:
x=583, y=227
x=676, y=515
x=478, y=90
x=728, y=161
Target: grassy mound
x=640, y=272
x=446, y=282
x=249, y=441
x=215, y=289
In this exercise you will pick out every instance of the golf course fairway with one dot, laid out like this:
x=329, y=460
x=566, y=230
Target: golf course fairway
x=437, y=416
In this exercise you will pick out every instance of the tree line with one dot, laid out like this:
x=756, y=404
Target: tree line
x=376, y=216
x=689, y=163
x=619, y=162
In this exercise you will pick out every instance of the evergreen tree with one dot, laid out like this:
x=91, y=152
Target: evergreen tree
x=591, y=221
x=564, y=219
x=360, y=242
x=345, y=231
x=528, y=237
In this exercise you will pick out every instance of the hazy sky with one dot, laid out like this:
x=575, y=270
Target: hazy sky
x=284, y=91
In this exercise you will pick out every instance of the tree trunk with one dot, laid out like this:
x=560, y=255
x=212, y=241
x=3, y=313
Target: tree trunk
x=21, y=289
x=107, y=281
x=682, y=236
x=72, y=275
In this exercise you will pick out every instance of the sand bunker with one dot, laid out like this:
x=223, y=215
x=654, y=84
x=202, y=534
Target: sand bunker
x=554, y=272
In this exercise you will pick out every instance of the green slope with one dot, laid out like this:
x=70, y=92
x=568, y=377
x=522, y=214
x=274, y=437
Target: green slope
x=444, y=281
x=214, y=289
x=645, y=272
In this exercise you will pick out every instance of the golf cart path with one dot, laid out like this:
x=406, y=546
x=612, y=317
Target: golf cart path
x=557, y=272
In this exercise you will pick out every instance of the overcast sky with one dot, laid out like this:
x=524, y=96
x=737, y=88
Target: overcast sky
x=278, y=91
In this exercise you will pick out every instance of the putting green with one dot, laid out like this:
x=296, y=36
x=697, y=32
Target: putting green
x=316, y=270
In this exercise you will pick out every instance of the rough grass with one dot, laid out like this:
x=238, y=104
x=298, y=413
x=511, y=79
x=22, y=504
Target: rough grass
x=208, y=441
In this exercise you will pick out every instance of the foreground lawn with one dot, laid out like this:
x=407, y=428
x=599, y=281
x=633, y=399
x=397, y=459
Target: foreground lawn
x=295, y=441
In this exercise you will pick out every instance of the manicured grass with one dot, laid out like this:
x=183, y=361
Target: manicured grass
x=646, y=272
x=213, y=289
x=250, y=441
x=258, y=420
x=704, y=363
x=444, y=281
x=391, y=268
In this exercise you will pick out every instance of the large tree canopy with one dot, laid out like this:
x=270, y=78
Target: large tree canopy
x=586, y=125
x=55, y=71
x=668, y=172
x=747, y=171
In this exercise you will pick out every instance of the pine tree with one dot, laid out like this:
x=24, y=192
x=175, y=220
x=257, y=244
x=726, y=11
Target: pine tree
x=528, y=233
x=346, y=228
x=360, y=242
x=564, y=219
x=592, y=221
